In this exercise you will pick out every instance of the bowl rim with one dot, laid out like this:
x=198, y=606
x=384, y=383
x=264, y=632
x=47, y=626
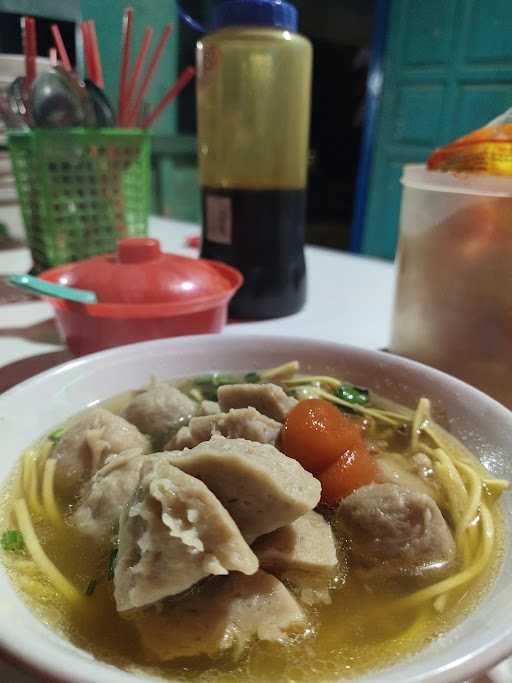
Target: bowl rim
x=37, y=661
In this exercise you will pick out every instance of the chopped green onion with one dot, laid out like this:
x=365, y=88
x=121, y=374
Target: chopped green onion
x=352, y=394
x=91, y=587
x=203, y=379
x=223, y=380
x=12, y=541
x=252, y=378
x=56, y=435
x=112, y=564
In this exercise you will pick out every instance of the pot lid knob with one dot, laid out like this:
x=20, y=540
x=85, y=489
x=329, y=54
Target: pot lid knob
x=138, y=250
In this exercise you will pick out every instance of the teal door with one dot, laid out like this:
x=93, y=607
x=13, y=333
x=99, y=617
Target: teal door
x=447, y=71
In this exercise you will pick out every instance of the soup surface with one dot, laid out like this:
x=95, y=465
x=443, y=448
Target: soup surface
x=365, y=614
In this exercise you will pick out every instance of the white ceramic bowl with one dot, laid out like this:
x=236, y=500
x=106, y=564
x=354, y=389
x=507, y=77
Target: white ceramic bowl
x=30, y=409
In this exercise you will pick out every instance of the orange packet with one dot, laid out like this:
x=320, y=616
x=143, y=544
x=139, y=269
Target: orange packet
x=487, y=150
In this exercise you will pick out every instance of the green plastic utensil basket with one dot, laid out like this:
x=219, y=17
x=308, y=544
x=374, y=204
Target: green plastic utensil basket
x=80, y=190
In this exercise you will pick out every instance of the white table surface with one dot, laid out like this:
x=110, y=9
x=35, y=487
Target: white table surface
x=349, y=300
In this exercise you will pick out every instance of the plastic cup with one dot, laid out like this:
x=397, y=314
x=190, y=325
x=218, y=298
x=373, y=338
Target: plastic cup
x=453, y=301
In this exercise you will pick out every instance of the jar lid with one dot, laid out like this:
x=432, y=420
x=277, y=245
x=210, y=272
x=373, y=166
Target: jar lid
x=276, y=13
x=140, y=274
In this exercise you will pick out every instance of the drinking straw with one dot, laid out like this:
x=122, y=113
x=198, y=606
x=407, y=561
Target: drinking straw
x=125, y=61
x=139, y=63
x=52, y=56
x=87, y=49
x=132, y=117
x=59, y=43
x=95, y=55
x=28, y=29
x=173, y=92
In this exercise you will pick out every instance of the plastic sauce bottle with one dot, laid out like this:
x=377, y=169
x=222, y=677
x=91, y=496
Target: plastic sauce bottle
x=254, y=101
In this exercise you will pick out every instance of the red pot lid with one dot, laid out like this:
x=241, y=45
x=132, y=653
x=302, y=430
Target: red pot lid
x=140, y=273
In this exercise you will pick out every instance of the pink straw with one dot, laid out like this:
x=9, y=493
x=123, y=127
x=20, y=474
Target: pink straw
x=139, y=63
x=59, y=43
x=187, y=75
x=148, y=77
x=52, y=56
x=125, y=61
x=87, y=49
x=95, y=54
x=28, y=28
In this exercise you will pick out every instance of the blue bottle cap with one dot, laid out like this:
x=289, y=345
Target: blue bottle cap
x=276, y=13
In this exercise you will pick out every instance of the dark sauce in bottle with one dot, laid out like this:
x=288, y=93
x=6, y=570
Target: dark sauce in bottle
x=260, y=232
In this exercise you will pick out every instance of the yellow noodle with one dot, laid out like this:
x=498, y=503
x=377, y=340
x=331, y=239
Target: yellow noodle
x=496, y=486
x=441, y=602
x=452, y=483
x=474, y=498
x=464, y=549
x=50, y=504
x=420, y=421
x=463, y=577
x=472, y=534
x=196, y=394
x=31, y=482
x=43, y=454
x=28, y=456
x=321, y=379
x=35, y=588
x=321, y=393
x=281, y=371
x=37, y=553
x=26, y=567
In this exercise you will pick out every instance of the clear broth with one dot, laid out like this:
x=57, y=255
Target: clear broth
x=356, y=633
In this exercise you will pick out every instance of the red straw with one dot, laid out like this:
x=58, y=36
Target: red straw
x=52, y=56
x=28, y=28
x=186, y=76
x=148, y=77
x=87, y=49
x=125, y=61
x=57, y=37
x=139, y=63
x=95, y=53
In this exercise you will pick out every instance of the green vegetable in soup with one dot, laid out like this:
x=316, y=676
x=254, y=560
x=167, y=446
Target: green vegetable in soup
x=91, y=587
x=112, y=564
x=12, y=541
x=252, y=378
x=352, y=394
x=56, y=435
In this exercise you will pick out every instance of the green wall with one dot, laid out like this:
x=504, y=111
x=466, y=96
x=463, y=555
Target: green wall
x=108, y=16
x=178, y=180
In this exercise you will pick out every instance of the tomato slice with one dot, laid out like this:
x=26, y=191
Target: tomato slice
x=353, y=469
x=316, y=434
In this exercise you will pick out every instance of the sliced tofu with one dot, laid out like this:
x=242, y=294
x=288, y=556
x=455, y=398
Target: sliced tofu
x=104, y=497
x=227, y=613
x=173, y=534
x=88, y=441
x=302, y=554
x=261, y=487
x=268, y=399
x=306, y=545
x=241, y=423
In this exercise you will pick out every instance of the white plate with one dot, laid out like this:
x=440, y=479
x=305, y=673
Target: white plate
x=32, y=408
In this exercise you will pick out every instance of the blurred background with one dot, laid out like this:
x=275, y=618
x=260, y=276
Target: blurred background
x=392, y=80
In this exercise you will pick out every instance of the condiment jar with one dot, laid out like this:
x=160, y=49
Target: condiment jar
x=254, y=93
